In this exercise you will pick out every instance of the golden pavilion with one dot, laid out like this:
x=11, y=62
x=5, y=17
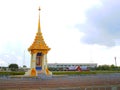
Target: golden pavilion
x=38, y=51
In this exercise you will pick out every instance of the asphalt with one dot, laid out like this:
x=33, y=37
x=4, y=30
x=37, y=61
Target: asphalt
x=64, y=82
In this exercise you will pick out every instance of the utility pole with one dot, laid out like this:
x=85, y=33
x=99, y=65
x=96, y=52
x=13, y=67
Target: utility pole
x=24, y=58
x=115, y=61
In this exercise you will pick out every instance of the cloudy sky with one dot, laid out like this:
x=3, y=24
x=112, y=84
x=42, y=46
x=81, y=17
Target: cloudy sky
x=77, y=31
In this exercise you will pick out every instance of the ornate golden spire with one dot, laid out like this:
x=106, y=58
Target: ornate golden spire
x=39, y=29
x=39, y=43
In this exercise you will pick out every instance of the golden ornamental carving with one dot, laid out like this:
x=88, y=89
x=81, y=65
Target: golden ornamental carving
x=33, y=60
x=38, y=43
x=39, y=50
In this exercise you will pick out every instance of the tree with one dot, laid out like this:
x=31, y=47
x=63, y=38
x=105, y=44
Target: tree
x=24, y=66
x=13, y=67
x=103, y=67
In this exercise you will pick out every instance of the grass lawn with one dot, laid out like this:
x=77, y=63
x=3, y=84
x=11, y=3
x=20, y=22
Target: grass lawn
x=82, y=73
x=64, y=72
x=11, y=73
x=72, y=72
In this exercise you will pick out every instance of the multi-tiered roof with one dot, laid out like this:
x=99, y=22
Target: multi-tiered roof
x=39, y=43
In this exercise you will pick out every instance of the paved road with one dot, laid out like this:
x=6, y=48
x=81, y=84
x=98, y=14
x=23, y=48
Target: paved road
x=75, y=82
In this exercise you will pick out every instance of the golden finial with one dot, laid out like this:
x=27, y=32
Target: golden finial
x=39, y=20
x=39, y=8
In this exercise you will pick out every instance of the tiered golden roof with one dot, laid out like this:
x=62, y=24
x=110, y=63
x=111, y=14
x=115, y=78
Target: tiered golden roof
x=39, y=43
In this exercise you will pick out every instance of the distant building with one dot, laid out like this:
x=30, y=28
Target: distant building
x=64, y=66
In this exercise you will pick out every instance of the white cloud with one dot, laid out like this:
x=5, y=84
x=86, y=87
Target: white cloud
x=102, y=25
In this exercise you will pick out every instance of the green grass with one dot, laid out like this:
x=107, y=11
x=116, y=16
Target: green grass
x=106, y=72
x=12, y=73
x=72, y=72
x=64, y=72
x=83, y=72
